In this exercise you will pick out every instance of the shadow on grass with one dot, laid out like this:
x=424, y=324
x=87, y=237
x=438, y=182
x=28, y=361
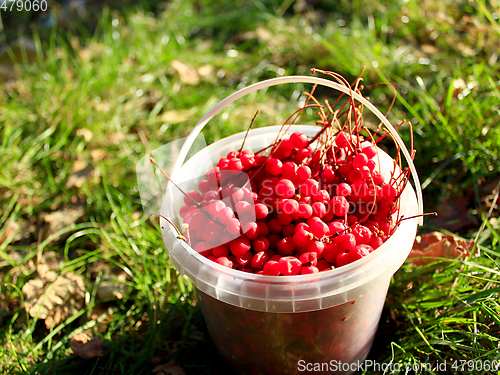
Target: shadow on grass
x=181, y=336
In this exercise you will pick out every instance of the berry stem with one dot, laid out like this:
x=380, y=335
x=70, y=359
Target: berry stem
x=172, y=181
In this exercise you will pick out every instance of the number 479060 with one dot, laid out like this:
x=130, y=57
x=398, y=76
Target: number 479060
x=23, y=5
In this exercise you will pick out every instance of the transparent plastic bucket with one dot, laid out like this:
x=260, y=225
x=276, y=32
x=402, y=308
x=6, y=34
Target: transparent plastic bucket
x=286, y=324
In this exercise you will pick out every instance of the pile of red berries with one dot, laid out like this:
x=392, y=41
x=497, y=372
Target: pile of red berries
x=308, y=206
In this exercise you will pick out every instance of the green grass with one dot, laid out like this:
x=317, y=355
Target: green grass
x=103, y=97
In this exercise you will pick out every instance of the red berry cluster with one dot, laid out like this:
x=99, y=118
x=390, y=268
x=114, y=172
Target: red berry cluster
x=298, y=210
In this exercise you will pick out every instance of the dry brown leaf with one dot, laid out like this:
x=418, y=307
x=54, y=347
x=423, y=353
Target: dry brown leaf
x=98, y=154
x=116, y=138
x=206, y=71
x=439, y=245
x=175, y=116
x=86, y=347
x=91, y=52
x=10, y=231
x=81, y=173
x=169, y=368
x=112, y=288
x=86, y=133
x=58, y=220
x=52, y=297
x=453, y=215
x=187, y=73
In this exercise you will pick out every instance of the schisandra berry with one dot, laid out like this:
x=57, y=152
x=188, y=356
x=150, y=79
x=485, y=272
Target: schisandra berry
x=273, y=166
x=340, y=206
x=289, y=265
x=285, y=188
x=299, y=140
x=239, y=246
x=304, y=173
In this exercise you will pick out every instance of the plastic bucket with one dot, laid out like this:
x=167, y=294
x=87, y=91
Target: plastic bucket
x=289, y=324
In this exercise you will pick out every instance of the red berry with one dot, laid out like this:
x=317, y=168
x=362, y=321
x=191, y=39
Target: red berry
x=316, y=247
x=304, y=172
x=290, y=206
x=260, y=244
x=263, y=228
x=309, y=259
x=274, y=226
x=284, y=218
x=389, y=192
x=259, y=259
x=346, y=241
x=369, y=151
x=250, y=230
x=215, y=206
x=239, y=246
x=336, y=227
x=359, y=160
x=323, y=265
x=299, y=140
x=233, y=226
x=271, y=268
x=288, y=230
x=309, y=187
x=235, y=164
x=289, y=169
x=360, y=251
x=362, y=234
x=220, y=251
x=225, y=215
x=212, y=233
x=340, y=206
x=261, y=211
x=224, y=262
x=302, y=154
x=273, y=166
x=319, y=209
x=285, y=188
x=342, y=259
x=302, y=237
x=305, y=210
x=289, y=265
x=331, y=251
x=286, y=246
x=328, y=175
x=244, y=259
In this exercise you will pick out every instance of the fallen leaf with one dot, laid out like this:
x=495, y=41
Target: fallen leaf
x=85, y=133
x=10, y=231
x=91, y=52
x=116, y=138
x=58, y=220
x=53, y=297
x=453, y=215
x=206, y=71
x=169, y=368
x=98, y=154
x=86, y=347
x=187, y=73
x=175, y=116
x=112, y=288
x=439, y=245
x=80, y=175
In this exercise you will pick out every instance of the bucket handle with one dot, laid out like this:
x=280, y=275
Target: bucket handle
x=301, y=79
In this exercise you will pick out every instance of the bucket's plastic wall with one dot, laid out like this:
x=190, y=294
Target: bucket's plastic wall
x=299, y=293
x=338, y=338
